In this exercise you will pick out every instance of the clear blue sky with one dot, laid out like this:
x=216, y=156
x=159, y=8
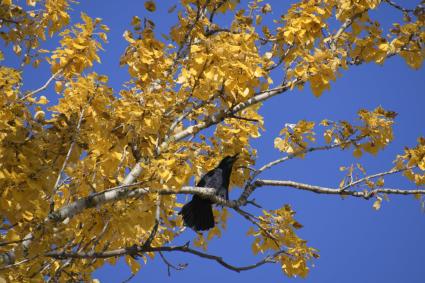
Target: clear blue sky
x=356, y=243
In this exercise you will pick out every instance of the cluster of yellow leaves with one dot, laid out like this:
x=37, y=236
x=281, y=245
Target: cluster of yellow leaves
x=234, y=136
x=319, y=69
x=303, y=24
x=413, y=157
x=146, y=57
x=200, y=70
x=346, y=9
x=295, y=137
x=371, y=48
x=100, y=157
x=223, y=7
x=225, y=60
x=409, y=41
x=25, y=169
x=24, y=28
x=78, y=47
x=405, y=39
x=301, y=43
x=377, y=127
x=313, y=52
x=373, y=134
x=27, y=161
x=277, y=232
x=375, y=131
x=337, y=132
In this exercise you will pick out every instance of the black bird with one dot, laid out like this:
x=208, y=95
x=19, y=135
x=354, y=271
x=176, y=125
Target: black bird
x=198, y=213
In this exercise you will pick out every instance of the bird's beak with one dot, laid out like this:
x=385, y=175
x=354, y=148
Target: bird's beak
x=235, y=156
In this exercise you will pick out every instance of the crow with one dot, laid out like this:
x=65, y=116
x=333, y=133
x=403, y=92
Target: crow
x=198, y=213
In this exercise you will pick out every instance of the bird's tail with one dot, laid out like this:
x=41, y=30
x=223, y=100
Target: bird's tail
x=198, y=214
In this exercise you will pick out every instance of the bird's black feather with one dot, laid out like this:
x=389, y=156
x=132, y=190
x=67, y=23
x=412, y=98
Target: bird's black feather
x=198, y=213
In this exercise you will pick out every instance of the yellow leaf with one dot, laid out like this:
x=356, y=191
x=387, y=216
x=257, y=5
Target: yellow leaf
x=342, y=183
x=150, y=6
x=133, y=264
x=58, y=86
x=78, y=46
x=27, y=215
x=377, y=203
x=39, y=115
x=17, y=49
x=31, y=3
x=258, y=72
x=328, y=136
x=266, y=9
x=357, y=152
x=12, y=236
x=43, y=100
x=421, y=164
x=268, y=55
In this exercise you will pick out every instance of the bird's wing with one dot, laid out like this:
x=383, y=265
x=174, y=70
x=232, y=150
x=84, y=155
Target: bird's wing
x=213, y=179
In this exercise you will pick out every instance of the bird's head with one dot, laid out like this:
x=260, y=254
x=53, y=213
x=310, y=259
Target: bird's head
x=229, y=160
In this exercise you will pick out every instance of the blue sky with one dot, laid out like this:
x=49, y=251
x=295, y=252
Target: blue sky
x=355, y=242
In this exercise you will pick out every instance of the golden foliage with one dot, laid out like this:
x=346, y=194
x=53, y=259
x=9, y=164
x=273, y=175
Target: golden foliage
x=54, y=154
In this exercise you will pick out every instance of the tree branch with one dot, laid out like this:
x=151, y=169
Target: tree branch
x=334, y=191
x=68, y=155
x=128, y=191
x=170, y=265
x=362, y=180
x=185, y=249
x=42, y=87
x=348, y=22
x=301, y=152
x=214, y=119
x=395, y=5
x=252, y=219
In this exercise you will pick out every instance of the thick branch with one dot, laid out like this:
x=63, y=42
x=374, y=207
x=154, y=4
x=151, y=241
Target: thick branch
x=126, y=192
x=214, y=119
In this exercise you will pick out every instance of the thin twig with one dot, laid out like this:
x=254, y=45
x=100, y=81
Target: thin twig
x=249, y=217
x=68, y=155
x=42, y=87
x=243, y=118
x=15, y=264
x=129, y=278
x=348, y=22
x=362, y=180
x=304, y=151
x=154, y=230
x=184, y=249
x=170, y=265
x=395, y=5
